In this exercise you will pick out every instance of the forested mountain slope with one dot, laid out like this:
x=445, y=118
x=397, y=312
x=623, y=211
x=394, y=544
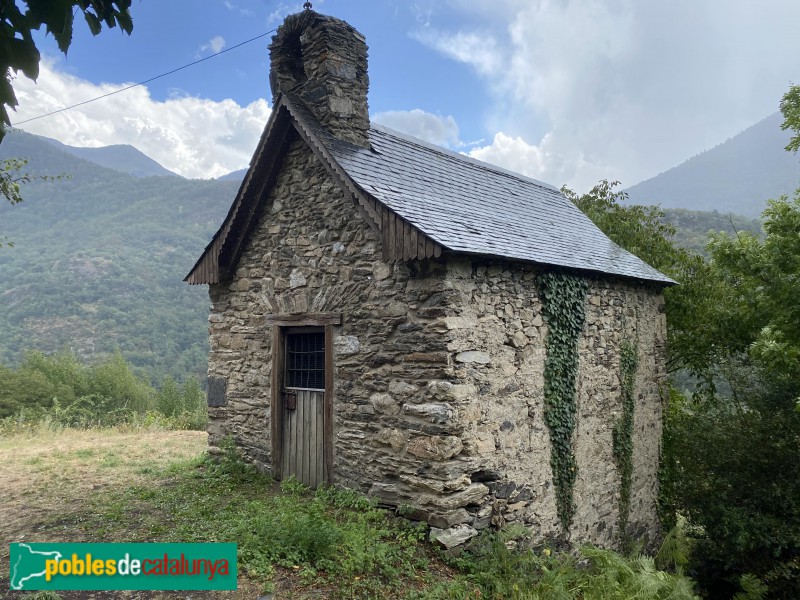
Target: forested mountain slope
x=98, y=262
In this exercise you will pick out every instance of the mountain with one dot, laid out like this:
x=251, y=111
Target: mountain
x=119, y=157
x=692, y=226
x=233, y=176
x=737, y=176
x=98, y=262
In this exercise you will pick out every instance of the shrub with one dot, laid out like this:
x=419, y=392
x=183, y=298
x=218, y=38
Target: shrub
x=735, y=475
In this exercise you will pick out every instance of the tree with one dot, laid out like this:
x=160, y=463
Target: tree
x=790, y=107
x=642, y=231
x=18, y=51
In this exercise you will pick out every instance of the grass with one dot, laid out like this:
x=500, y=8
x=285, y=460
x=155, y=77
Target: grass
x=146, y=486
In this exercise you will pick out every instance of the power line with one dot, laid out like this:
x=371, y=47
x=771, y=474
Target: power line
x=125, y=89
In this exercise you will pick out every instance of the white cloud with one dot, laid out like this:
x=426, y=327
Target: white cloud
x=245, y=12
x=282, y=10
x=215, y=44
x=191, y=136
x=619, y=88
x=436, y=129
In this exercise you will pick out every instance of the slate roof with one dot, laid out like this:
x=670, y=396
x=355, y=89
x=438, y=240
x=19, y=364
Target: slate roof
x=473, y=207
x=462, y=204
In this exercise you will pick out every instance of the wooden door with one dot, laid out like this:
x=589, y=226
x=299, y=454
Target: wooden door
x=303, y=405
x=303, y=427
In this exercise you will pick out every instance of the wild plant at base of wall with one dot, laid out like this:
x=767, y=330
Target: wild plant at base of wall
x=623, y=431
x=563, y=299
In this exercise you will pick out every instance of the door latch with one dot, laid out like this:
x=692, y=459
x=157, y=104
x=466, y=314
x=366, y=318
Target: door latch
x=290, y=400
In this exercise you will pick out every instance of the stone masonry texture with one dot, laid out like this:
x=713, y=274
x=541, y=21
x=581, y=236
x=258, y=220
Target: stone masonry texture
x=438, y=370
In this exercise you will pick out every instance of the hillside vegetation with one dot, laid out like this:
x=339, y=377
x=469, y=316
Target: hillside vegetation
x=98, y=262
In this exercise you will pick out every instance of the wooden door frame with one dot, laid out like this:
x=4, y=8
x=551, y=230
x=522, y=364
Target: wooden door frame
x=280, y=324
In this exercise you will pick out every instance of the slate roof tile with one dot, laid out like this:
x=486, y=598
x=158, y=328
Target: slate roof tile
x=470, y=206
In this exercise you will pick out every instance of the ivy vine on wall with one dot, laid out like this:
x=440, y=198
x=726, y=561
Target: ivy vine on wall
x=563, y=299
x=623, y=431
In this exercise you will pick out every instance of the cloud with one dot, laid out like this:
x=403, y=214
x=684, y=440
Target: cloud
x=618, y=88
x=280, y=12
x=436, y=129
x=215, y=44
x=191, y=136
x=245, y=12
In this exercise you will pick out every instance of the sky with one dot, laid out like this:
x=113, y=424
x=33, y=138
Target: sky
x=566, y=91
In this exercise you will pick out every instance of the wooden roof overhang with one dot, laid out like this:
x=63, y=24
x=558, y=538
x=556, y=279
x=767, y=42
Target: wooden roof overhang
x=401, y=239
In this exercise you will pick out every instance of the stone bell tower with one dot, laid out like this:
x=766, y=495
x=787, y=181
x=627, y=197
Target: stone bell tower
x=323, y=61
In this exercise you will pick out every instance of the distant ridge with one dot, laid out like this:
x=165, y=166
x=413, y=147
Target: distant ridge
x=737, y=176
x=233, y=175
x=120, y=157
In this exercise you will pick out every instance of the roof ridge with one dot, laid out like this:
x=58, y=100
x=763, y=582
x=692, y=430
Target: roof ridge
x=460, y=156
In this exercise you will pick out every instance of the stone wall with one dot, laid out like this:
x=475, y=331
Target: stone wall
x=438, y=387
x=497, y=339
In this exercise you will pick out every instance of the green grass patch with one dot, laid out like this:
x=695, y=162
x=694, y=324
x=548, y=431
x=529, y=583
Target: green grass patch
x=338, y=544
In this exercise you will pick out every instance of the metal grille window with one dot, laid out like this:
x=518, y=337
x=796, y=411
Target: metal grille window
x=305, y=360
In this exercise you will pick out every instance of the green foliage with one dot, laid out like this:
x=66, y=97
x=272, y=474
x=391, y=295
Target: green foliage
x=736, y=477
x=490, y=569
x=334, y=539
x=563, y=298
x=623, y=432
x=642, y=230
x=64, y=391
x=692, y=227
x=18, y=48
x=339, y=543
x=98, y=264
x=11, y=177
x=790, y=107
x=730, y=455
x=763, y=276
x=184, y=403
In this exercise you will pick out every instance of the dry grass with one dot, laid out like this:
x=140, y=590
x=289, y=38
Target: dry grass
x=55, y=472
x=49, y=476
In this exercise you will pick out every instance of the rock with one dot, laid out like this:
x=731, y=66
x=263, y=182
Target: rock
x=486, y=475
x=503, y=489
x=296, y=279
x=384, y=404
x=391, y=437
x=439, y=389
x=518, y=340
x=435, y=447
x=454, y=536
x=471, y=495
x=389, y=493
x=394, y=309
x=447, y=520
x=473, y=356
x=401, y=389
x=433, y=412
x=346, y=345
x=381, y=271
